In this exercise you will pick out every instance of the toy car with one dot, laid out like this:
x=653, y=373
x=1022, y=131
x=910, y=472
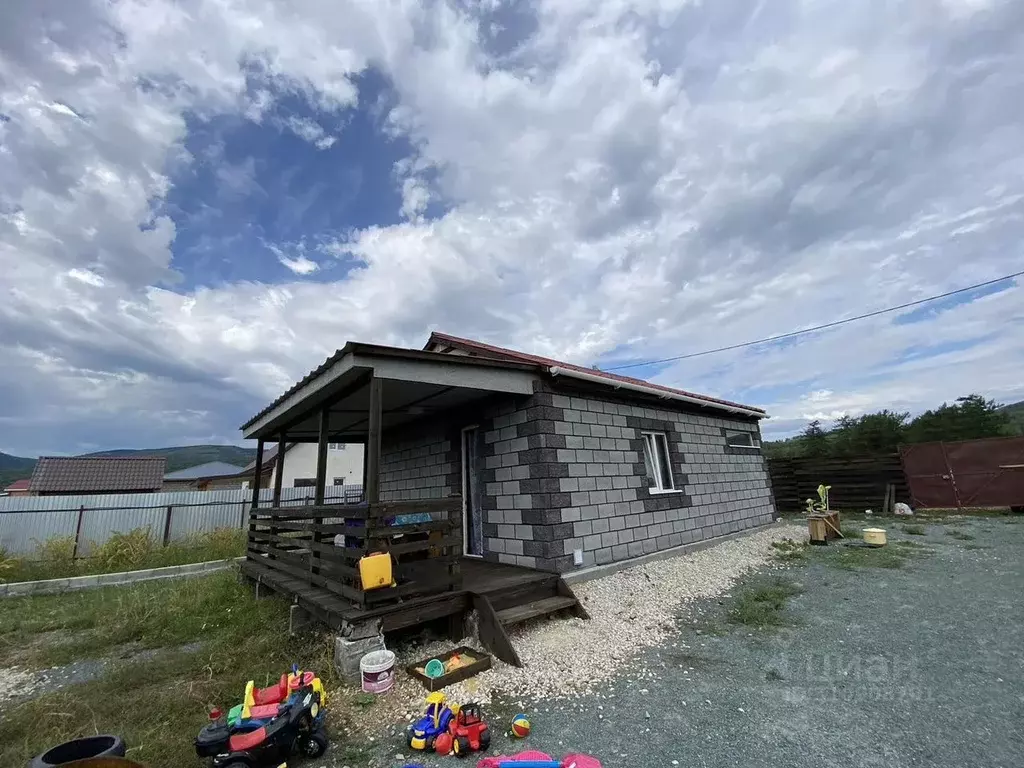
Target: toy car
x=469, y=731
x=422, y=734
x=267, y=734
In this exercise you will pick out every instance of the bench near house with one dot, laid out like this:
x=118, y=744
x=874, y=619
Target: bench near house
x=490, y=473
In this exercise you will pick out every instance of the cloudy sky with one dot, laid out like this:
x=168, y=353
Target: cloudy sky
x=200, y=200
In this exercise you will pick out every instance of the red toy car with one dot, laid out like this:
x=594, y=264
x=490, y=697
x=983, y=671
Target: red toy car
x=469, y=731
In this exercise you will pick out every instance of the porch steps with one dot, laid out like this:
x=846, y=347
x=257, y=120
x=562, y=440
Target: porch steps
x=544, y=595
x=534, y=610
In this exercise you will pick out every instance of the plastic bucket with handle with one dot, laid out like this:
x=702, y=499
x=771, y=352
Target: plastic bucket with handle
x=377, y=670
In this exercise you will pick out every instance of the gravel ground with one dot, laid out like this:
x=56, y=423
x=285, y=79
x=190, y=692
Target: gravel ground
x=920, y=666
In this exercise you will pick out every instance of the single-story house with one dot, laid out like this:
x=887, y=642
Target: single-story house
x=211, y=476
x=17, y=488
x=68, y=475
x=344, y=466
x=552, y=466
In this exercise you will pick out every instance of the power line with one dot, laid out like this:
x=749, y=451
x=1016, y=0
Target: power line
x=833, y=324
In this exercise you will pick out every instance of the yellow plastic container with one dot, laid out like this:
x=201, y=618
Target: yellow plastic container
x=875, y=536
x=375, y=570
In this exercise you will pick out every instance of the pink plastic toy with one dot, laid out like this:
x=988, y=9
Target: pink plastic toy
x=532, y=759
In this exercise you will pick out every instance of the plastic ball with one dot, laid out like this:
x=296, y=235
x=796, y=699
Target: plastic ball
x=443, y=743
x=520, y=726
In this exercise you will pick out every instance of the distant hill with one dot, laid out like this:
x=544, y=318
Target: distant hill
x=14, y=468
x=1016, y=413
x=181, y=457
x=185, y=456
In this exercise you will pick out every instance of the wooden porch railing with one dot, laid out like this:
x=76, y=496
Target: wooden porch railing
x=421, y=536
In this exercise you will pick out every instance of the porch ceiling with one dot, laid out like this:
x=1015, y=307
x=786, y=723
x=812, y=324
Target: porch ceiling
x=413, y=386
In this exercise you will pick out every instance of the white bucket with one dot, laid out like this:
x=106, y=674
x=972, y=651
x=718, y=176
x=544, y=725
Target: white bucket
x=377, y=670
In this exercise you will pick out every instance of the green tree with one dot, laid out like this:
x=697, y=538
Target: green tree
x=968, y=418
x=814, y=440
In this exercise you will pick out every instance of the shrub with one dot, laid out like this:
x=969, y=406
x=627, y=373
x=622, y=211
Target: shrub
x=124, y=551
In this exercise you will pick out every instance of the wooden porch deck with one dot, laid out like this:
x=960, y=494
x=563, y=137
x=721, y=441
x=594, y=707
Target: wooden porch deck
x=496, y=581
x=501, y=594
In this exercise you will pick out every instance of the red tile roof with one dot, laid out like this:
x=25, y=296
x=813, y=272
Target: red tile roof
x=468, y=345
x=18, y=485
x=95, y=474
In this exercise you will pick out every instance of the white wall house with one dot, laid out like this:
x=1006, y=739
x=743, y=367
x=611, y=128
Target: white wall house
x=344, y=465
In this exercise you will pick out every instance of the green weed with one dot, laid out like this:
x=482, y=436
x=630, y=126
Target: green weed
x=762, y=606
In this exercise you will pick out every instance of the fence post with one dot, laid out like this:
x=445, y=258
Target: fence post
x=167, y=525
x=952, y=477
x=78, y=532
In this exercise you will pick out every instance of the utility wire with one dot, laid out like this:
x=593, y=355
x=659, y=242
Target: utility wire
x=833, y=324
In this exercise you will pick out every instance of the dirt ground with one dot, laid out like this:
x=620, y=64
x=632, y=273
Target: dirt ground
x=912, y=660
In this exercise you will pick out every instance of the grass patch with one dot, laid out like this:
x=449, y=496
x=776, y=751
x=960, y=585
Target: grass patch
x=975, y=546
x=893, y=556
x=960, y=535
x=773, y=675
x=135, y=550
x=158, y=705
x=914, y=530
x=851, y=532
x=763, y=606
x=789, y=550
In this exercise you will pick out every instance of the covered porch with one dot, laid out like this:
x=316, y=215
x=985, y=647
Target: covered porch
x=363, y=394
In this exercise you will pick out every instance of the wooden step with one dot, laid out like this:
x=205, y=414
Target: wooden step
x=520, y=613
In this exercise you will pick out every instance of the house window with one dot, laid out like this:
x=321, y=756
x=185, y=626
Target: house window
x=658, y=463
x=339, y=481
x=742, y=440
x=335, y=446
x=304, y=482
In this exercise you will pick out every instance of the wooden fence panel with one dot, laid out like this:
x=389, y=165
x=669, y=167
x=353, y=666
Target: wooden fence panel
x=858, y=482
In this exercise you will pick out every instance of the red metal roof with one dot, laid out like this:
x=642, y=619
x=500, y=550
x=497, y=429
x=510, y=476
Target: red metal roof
x=95, y=474
x=18, y=485
x=468, y=345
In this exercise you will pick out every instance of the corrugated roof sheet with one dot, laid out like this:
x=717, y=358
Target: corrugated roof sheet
x=209, y=469
x=469, y=345
x=79, y=474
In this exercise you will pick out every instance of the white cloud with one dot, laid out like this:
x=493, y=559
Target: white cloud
x=652, y=176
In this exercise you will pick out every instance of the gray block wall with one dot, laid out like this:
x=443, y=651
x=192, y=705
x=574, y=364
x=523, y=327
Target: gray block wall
x=421, y=466
x=564, y=472
x=580, y=482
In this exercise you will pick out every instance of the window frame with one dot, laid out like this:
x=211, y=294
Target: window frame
x=755, y=443
x=659, y=463
x=304, y=482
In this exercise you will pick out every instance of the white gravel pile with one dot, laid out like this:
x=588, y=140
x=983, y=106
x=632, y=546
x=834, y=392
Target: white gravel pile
x=16, y=682
x=630, y=610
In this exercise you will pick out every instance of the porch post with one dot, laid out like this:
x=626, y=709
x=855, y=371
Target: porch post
x=279, y=470
x=321, y=456
x=257, y=474
x=373, y=441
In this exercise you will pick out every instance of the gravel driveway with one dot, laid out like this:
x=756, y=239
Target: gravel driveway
x=919, y=666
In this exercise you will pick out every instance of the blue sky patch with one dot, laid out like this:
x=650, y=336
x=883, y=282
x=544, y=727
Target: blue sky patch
x=256, y=187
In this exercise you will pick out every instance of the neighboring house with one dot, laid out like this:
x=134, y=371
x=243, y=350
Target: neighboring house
x=17, y=488
x=344, y=466
x=64, y=475
x=559, y=466
x=212, y=476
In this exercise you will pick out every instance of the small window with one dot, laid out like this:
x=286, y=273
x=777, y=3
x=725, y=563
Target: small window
x=339, y=481
x=335, y=446
x=657, y=461
x=741, y=440
x=304, y=482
